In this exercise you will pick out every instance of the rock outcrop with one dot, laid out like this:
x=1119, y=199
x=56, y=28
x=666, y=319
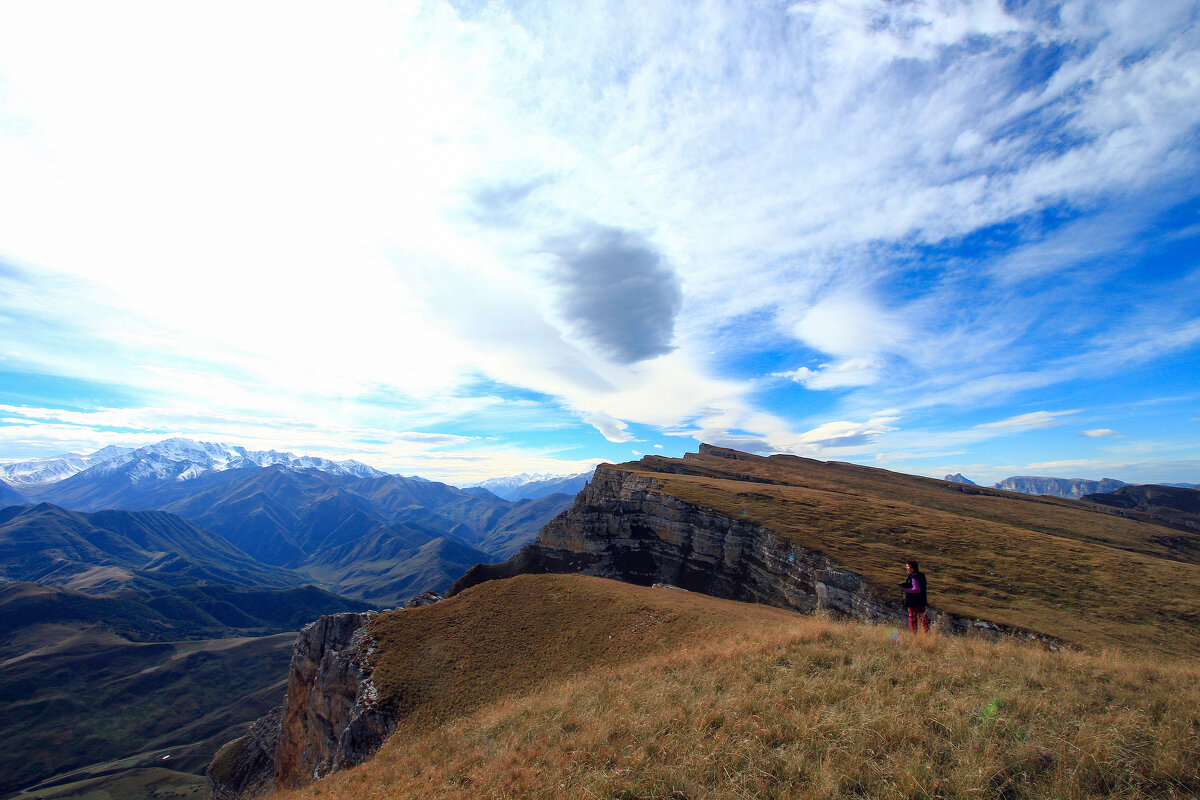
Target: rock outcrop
x=622, y=527
x=245, y=767
x=1072, y=488
x=330, y=720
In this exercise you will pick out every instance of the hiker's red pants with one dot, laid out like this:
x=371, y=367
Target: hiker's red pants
x=918, y=613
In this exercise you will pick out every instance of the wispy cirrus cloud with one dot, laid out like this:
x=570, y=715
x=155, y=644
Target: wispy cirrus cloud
x=921, y=206
x=1031, y=421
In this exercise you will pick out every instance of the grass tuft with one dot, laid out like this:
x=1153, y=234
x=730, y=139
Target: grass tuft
x=744, y=701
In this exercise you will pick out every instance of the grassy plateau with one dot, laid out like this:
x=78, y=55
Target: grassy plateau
x=562, y=686
x=1074, y=570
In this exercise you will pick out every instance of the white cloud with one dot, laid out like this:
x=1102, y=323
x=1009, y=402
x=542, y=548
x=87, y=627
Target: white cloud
x=843, y=435
x=1097, y=433
x=298, y=227
x=851, y=372
x=611, y=428
x=1028, y=422
x=850, y=326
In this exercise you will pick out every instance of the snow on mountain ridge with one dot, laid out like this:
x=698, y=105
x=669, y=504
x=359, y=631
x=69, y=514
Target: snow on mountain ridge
x=513, y=481
x=40, y=471
x=171, y=459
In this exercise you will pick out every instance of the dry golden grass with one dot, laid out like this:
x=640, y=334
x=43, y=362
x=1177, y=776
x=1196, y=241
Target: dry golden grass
x=1061, y=567
x=749, y=702
x=511, y=636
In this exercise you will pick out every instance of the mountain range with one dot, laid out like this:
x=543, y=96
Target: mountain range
x=114, y=552
x=143, y=591
x=175, y=459
x=1073, y=488
x=531, y=486
x=359, y=531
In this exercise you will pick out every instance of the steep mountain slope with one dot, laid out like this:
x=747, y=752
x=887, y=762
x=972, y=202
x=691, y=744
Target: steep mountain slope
x=116, y=469
x=89, y=697
x=592, y=688
x=39, y=471
x=393, y=563
x=1173, y=504
x=102, y=685
x=1073, y=488
x=283, y=515
x=278, y=515
x=809, y=534
x=166, y=614
x=10, y=496
x=110, y=550
x=532, y=486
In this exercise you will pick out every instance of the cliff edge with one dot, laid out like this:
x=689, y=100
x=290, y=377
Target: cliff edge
x=623, y=526
x=330, y=719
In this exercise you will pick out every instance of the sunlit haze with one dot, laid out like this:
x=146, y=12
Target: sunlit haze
x=468, y=239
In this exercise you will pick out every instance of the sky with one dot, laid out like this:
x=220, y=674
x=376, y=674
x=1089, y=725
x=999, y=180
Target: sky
x=469, y=239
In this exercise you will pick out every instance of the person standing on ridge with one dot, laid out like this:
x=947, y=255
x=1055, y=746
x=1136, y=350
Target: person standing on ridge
x=914, y=597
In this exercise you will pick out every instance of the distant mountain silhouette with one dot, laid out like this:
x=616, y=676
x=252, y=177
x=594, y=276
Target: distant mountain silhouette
x=532, y=487
x=1073, y=488
x=290, y=512
x=176, y=459
x=284, y=516
x=958, y=477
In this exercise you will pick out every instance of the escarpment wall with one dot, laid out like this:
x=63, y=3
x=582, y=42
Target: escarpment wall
x=330, y=719
x=622, y=527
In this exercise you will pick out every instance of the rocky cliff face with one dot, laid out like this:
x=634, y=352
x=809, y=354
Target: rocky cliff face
x=622, y=527
x=330, y=719
x=1072, y=488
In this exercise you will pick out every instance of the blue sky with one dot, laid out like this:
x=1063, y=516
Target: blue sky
x=472, y=239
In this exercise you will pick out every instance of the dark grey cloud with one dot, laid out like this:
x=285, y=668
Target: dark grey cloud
x=617, y=292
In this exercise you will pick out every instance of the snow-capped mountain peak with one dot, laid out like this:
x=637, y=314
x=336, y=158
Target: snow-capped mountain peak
x=41, y=471
x=529, y=485
x=176, y=459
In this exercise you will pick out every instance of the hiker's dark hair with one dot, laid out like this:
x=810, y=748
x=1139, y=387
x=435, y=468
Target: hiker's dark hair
x=912, y=564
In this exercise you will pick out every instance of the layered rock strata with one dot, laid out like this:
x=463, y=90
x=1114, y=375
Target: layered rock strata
x=623, y=527
x=330, y=720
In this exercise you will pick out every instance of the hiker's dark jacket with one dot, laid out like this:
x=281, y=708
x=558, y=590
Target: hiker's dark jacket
x=915, y=599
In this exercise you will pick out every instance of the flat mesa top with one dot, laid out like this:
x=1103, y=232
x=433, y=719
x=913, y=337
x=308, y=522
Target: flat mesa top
x=1089, y=575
